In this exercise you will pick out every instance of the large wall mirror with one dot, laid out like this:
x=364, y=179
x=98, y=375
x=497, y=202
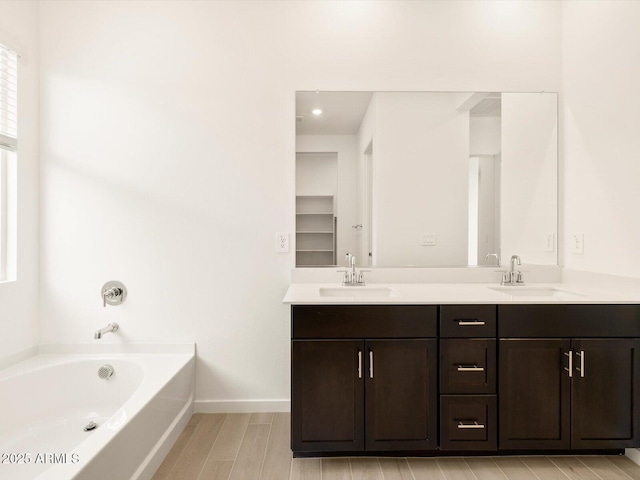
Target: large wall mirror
x=426, y=179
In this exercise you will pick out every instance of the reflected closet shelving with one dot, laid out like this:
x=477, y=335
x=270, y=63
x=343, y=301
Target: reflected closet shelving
x=315, y=230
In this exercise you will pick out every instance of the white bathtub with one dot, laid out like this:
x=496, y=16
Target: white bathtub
x=48, y=399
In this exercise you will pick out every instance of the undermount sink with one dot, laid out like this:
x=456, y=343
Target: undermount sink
x=533, y=291
x=368, y=292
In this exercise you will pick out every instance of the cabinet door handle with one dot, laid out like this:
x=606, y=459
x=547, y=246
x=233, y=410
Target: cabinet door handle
x=370, y=363
x=582, y=355
x=570, y=369
x=467, y=368
x=474, y=425
x=359, y=363
x=470, y=322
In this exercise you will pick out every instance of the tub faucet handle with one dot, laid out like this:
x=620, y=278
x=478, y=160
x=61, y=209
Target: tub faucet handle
x=113, y=293
x=110, y=294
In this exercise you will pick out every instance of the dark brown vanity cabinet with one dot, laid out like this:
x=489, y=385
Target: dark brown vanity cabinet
x=364, y=378
x=468, y=365
x=401, y=395
x=578, y=390
x=328, y=395
x=534, y=394
x=464, y=378
x=604, y=394
x=468, y=413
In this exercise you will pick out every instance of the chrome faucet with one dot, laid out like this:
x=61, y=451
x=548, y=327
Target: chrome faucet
x=495, y=255
x=351, y=277
x=513, y=277
x=352, y=261
x=112, y=327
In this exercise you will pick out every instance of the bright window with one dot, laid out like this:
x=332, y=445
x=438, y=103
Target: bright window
x=8, y=148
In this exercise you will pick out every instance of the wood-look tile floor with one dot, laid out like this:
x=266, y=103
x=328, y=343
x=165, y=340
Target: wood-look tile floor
x=245, y=446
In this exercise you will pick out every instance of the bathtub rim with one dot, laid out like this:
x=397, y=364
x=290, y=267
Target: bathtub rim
x=12, y=359
x=50, y=355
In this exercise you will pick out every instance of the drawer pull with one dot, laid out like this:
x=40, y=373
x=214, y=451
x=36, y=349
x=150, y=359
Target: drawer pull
x=470, y=322
x=467, y=368
x=474, y=425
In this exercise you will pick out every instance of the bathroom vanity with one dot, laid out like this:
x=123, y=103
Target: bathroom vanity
x=515, y=374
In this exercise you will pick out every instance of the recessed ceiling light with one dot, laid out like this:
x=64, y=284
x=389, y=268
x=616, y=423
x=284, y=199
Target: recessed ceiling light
x=316, y=111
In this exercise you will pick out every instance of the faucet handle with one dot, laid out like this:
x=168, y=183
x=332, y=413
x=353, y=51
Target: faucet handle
x=113, y=293
x=361, y=276
x=345, y=277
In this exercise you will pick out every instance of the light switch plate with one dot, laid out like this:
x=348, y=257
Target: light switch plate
x=282, y=242
x=577, y=243
x=549, y=242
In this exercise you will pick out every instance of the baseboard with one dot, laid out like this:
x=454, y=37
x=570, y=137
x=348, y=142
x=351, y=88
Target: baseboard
x=633, y=454
x=241, y=406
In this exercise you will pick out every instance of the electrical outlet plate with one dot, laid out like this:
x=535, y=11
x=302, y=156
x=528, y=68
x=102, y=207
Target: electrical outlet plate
x=282, y=242
x=428, y=239
x=577, y=243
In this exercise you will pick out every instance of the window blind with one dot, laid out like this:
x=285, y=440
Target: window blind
x=8, y=98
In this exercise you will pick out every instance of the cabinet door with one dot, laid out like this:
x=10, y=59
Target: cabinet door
x=327, y=392
x=533, y=394
x=401, y=394
x=605, y=384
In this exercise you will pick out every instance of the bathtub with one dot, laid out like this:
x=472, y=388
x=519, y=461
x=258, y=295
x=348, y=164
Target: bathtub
x=48, y=399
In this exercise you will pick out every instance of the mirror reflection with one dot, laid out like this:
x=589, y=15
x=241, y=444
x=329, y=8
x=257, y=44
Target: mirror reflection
x=428, y=179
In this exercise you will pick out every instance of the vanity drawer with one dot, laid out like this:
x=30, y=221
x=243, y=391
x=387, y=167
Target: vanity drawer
x=548, y=321
x=364, y=321
x=468, y=422
x=464, y=321
x=468, y=366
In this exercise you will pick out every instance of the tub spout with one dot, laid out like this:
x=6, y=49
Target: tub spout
x=112, y=327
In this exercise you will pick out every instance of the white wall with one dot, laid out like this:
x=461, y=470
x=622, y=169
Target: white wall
x=168, y=147
x=317, y=173
x=488, y=209
x=601, y=103
x=484, y=139
x=366, y=201
x=529, y=176
x=484, y=135
x=421, y=172
x=19, y=299
x=346, y=148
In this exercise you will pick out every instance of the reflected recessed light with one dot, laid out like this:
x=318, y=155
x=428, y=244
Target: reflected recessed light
x=316, y=111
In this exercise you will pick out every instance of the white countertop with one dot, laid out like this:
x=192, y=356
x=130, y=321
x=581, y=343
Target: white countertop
x=457, y=293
